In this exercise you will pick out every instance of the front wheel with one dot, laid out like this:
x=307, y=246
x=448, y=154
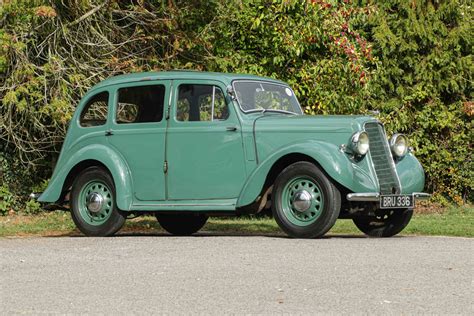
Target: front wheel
x=305, y=203
x=182, y=224
x=385, y=223
x=93, y=206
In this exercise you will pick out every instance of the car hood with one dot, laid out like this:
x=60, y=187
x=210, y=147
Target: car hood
x=310, y=123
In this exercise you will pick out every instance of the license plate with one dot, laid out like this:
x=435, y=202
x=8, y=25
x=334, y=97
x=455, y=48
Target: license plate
x=397, y=201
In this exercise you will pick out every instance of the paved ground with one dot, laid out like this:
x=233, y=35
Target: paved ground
x=247, y=274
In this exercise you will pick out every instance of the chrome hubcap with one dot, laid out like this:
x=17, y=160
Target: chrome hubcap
x=301, y=201
x=94, y=202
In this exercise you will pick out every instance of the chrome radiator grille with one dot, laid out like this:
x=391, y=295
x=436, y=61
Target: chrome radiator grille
x=382, y=159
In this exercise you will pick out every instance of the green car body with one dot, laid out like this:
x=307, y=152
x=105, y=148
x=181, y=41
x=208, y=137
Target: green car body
x=217, y=166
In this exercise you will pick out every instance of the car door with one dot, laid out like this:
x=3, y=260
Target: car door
x=204, y=143
x=138, y=133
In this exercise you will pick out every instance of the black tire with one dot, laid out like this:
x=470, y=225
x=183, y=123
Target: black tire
x=284, y=210
x=182, y=224
x=92, y=223
x=386, y=223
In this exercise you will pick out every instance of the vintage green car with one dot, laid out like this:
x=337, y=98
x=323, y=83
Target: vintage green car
x=187, y=145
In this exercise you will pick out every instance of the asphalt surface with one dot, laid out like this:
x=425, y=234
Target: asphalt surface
x=236, y=274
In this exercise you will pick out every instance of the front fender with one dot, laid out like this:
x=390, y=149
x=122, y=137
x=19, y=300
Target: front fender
x=411, y=174
x=107, y=156
x=353, y=175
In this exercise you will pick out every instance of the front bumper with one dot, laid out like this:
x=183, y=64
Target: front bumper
x=375, y=196
x=35, y=195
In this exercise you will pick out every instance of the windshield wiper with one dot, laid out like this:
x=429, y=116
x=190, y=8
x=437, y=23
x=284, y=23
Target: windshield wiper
x=263, y=111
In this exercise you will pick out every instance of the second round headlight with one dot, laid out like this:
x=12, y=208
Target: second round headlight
x=399, y=145
x=360, y=143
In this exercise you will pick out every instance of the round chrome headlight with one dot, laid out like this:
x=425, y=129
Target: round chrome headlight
x=399, y=145
x=360, y=143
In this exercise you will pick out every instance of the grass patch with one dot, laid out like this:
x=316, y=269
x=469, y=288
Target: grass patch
x=452, y=221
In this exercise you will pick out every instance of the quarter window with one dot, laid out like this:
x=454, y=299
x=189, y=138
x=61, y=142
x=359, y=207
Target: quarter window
x=140, y=104
x=95, y=111
x=201, y=103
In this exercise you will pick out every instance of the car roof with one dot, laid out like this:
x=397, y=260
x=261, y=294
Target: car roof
x=180, y=74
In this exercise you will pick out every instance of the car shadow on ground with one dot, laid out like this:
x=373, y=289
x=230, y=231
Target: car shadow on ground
x=208, y=234
x=150, y=228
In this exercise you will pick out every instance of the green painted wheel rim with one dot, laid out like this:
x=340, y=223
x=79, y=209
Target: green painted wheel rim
x=302, y=185
x=98, y=213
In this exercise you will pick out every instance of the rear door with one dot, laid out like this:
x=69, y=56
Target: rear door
x=138, y=132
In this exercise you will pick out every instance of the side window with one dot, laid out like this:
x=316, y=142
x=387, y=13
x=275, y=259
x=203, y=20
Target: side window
x=140, y=104
x=201, y=103
x=95, y=111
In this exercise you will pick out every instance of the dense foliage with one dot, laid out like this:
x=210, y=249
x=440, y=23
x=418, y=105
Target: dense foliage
x=424, y=85
x=412, y=61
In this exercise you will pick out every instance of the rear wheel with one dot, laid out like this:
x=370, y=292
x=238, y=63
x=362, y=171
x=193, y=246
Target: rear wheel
x=305, y=203
x=182, y=224
x=385, y=223
x=93, y=207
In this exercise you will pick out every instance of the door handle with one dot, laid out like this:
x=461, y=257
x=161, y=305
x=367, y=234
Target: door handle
x=231, y=128
x=109, y=132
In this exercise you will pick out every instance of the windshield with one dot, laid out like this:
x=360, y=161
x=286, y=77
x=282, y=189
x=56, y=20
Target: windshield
x=256, y=96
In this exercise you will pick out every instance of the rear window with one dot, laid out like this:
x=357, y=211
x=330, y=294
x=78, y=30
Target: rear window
x=95, y=111
x=142, y=104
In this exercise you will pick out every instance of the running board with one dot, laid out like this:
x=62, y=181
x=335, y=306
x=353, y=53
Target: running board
x=185, y=205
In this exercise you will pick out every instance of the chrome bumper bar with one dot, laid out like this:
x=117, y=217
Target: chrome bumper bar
x=375, y=196
x=35, y=195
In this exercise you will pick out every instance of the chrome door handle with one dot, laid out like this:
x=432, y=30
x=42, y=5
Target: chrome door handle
x=231, y=128
x=109, y=132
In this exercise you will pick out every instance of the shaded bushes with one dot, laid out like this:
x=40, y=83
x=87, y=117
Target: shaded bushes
x=411, y=61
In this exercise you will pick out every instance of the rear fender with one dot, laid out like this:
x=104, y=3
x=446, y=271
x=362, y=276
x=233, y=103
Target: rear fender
x=113, y=162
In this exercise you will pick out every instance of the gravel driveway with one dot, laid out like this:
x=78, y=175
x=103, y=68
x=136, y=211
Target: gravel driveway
x=211, y=274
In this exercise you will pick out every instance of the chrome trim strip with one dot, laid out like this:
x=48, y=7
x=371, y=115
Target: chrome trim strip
x=213, y=99
x=375, y=196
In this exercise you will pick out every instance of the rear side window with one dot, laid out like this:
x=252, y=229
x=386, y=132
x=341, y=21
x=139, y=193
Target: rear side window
x=95, y=111
x=142, y=104
x=201, y=103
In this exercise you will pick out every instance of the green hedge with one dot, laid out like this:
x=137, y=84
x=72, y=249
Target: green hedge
x=412, y=61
